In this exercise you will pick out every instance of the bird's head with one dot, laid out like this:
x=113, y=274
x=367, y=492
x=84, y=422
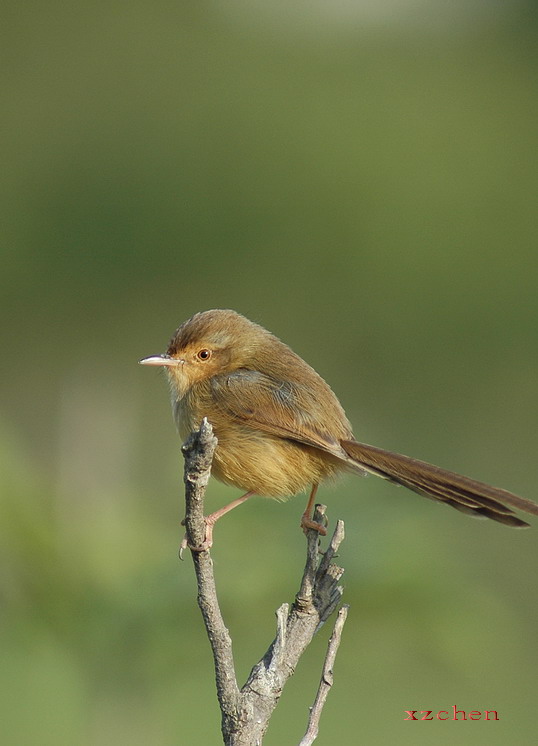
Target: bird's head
x=210, y=343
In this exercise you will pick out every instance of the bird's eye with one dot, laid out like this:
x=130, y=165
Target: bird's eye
x=204, y=355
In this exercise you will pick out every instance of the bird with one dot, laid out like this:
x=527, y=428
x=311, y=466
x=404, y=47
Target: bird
x=280, y=428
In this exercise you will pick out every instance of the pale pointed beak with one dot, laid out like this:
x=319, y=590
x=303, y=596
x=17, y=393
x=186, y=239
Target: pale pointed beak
x=161, y=360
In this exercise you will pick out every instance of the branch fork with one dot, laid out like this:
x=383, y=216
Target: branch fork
x=246, y=711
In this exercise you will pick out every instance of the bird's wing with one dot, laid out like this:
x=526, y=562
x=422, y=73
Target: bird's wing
x=281, y=408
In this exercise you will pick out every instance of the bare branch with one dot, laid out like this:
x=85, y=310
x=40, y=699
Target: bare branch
x=198, y=452
x=327, y=679
x=246, y=712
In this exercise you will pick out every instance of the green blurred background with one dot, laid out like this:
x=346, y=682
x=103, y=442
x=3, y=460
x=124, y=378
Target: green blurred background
x=360, y=178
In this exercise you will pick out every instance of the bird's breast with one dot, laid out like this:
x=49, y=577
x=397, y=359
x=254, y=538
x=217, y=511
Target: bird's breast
x=253, y=460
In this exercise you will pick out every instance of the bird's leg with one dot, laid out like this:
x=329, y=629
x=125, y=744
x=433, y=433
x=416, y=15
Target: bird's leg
x=306, y=518
x=210, y=521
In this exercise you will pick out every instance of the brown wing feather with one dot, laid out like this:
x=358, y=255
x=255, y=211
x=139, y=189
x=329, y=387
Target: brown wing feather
x=286, y=410
x=278, y=407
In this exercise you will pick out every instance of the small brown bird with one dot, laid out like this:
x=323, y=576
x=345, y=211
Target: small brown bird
x=281, y=429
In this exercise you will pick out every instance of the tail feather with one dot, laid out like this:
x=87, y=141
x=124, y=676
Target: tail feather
x=465, y=494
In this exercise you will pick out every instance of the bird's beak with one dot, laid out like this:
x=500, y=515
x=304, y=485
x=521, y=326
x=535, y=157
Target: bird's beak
x=161, y=360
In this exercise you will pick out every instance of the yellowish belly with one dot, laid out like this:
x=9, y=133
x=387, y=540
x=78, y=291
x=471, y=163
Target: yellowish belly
x=270, y=466
x=255, y=461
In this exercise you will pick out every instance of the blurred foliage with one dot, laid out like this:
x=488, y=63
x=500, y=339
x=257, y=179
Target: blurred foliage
x=361, y=180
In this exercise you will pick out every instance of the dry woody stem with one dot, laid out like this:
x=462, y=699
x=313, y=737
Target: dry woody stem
x=246, y=712
x=327, y=679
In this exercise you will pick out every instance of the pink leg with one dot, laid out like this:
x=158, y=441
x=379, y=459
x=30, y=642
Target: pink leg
x=210, y=522
x=306, y=518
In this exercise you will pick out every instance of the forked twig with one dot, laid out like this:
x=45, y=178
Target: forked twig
x=246, y=711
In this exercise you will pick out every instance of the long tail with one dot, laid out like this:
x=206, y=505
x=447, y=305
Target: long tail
x=462, y=493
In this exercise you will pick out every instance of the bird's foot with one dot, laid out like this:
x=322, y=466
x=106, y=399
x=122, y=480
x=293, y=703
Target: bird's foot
x=207, y=542
x=210, y=521
x=307, y=524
